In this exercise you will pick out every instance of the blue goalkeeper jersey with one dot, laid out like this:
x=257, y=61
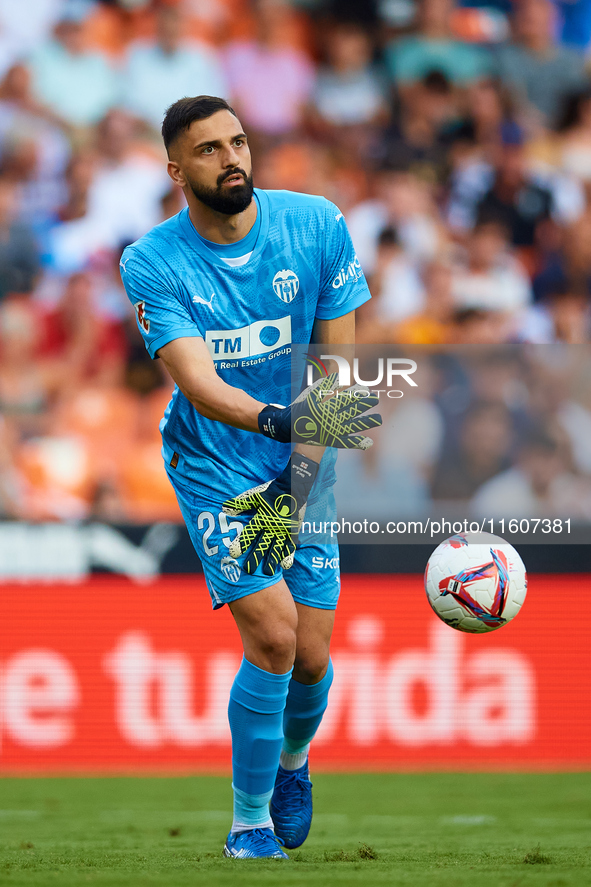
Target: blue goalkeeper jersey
x=302, y=266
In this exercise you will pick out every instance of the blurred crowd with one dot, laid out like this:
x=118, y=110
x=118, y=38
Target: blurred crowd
x=455, y=138
x=488, y=433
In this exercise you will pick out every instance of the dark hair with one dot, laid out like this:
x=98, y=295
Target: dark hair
x=539, y=440
x=564, y=289
x=388, y=237
x=570, y=112
x=435, y=81
x=463, y=316
x=490, y=218
x=184, y=112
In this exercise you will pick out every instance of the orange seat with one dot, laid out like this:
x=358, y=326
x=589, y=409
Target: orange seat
x=145, y=489
x=58, y=477
x=106, y=418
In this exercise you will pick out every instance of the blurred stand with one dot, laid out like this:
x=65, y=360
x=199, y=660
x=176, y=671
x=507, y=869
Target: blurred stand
x=454, y=138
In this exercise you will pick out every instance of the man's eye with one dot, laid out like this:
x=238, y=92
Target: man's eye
x=239, y=142
x=208, y=149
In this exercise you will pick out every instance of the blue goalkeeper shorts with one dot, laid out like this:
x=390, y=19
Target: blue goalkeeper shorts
x=313, y=580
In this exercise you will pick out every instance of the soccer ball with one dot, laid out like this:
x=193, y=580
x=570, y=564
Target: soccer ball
x=475, y=582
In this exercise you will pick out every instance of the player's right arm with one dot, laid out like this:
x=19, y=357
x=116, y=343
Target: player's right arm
x=191, y=366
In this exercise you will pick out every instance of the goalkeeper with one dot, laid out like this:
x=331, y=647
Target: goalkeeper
x=220, y=291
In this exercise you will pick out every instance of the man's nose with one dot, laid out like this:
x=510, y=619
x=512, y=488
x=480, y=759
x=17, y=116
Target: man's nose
x=231, y=157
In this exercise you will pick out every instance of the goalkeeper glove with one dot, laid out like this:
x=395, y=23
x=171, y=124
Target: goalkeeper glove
x=278, y=509
x=316, y=417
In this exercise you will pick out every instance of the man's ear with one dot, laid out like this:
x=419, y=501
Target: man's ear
x=176, y=174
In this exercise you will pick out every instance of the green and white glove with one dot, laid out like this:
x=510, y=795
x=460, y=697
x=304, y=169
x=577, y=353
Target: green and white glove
x=324, y=416
x=278, y=506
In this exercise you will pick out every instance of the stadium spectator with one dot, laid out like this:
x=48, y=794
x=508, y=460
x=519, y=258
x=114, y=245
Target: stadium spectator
x=564, y=407
x=570, y=313
x=574, y=134
x=114, y=195
x=496, y=376
x=350, y=96
x=491, y=110
x=542, y=72
x=475, y=326
x=515, y=197
x=107, y=505
x=484, y=450
x=270, y=82
x=75, y=237
x=29, y=386
x=34, y=149
x=83, y=337
x=434, y=48
x=565, y=265
x=79, y=175
x=19, y=107
x=510, y=183
x=156, y=73
x=19, y=254
x=564, y=315
x=539, y=485
x=419, y=138
x=130, y=182
x=401, y=201
x=487, y=276
x=431, y=326
x=78, y=85
x=396, y=283
x=22, y=34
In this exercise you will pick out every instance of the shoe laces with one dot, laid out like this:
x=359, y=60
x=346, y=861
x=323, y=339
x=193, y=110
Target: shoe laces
x=296, y=779
x=261, y=838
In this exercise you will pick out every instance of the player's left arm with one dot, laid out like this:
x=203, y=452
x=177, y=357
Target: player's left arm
x=336, y=331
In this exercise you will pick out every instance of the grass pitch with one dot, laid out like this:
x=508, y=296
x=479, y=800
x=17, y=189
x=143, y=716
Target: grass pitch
x=409, y=830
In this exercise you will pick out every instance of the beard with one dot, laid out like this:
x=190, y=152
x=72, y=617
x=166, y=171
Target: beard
x=231, y=202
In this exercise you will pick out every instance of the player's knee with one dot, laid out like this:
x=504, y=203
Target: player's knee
x=310, y=667
x=277, y=646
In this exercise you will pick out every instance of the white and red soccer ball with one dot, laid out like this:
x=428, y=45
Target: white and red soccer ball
x=475, y=582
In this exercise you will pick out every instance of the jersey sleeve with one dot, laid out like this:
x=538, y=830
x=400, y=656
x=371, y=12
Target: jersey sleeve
x=160, y=311
x=343, y=287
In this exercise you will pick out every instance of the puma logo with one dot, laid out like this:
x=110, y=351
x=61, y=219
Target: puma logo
x=199, y=300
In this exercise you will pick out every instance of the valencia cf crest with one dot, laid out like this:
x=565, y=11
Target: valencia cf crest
x=140, y=310
x=231, y=569
x=286, y=285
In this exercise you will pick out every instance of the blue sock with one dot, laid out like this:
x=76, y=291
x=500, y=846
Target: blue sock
x=255, y=712
x=305, y=706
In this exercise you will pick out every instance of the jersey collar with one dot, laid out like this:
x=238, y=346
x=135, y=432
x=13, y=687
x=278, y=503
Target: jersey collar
x=210, y=255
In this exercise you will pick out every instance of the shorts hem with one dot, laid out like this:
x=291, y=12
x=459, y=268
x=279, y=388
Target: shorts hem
x=317, y=605
x=217, y=605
